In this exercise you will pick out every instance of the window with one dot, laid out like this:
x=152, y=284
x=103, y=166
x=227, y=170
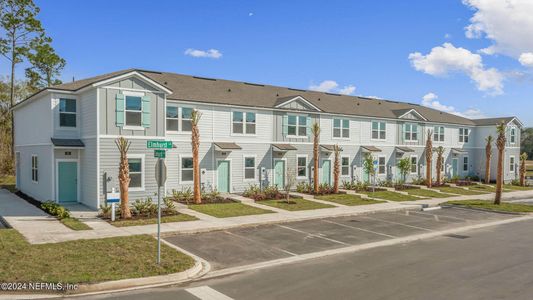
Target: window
x=133, y=111
x=172, y=118
x=341, y=128
x=381, y=165
x=297, y=125
x=442, y=164
x=465, y=163
x=186, y=119
x=301, y=166
x=511, y=164
x=243, y=122
x=463, y=135
x=411, y=132
x=249, y=168
x=136, y=172
x=34, y=168
x=179, y=118
x=438, y=133
x=414, y=164
x=186, y=169
x=345, y=166
x=378, y=130
x=67, y=112
x=513, y=135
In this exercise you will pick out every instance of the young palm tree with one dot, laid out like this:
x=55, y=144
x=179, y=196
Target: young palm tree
x=404, y=166
x=429, y=158
x=336, y=168
x=500, y=144
x=195, y=142
x=123, y=146
x=315, y=129
x=440, y=153
x=488, y=157
x=523, y=159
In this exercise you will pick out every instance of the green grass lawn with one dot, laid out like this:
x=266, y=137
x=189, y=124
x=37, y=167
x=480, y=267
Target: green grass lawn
x=226, y=210
x=392, y=196
x=458, y=191
x=8, y=182
x=75, y=224
x=427, y=193
x=506, y=207
x=296, y=204
x=347, y=199
x=86, y=261
x=164, y=219
x=510, y=187
x=485, y=188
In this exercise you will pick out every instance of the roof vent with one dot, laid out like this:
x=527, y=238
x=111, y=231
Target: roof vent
x=229, y=90
x=333, y=94
x=299, y=90
x=379, y=103
x=277, y=95
x=204, y=78
x=357, y=103
x=166, y=83
x=318, y=99
x=254, y=84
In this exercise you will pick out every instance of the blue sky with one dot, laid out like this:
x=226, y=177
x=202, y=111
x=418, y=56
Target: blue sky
x=369, y=45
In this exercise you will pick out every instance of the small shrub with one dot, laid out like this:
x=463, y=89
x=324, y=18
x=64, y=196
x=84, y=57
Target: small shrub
x=419, y=181
x=386, y=183
x=145, y=208
x=170, y=206
x=55, y=210
x=105, y=211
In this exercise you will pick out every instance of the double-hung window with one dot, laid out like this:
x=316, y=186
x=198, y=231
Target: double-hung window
x=186, y=169
x=133, y=111
x=296, y=125
x=381, y=165
x=411, y=132
x=465, y=163
x=173, y=121
x=243, y=122
x=186, y=119
x=512, y=135
x=511, y=164
x=442, y=164
x=67, y=112
x=136, y=168
x=463, y=135
x=414, y=164
x=179, y=119
x=249, y=168
x=301, y=161
x=341, y=128
x=345, y=166
x=438, y=133
x=34, y=168
x=378, y=130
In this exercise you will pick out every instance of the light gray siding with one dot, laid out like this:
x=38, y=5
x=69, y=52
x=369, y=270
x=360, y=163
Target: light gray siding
x=43, y=189
x=88, y=174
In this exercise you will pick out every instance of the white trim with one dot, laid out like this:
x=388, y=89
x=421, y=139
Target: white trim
x=78, y=190
x=306, y=166
x=384, y=165
x=515, y=135
x=513, y=165
x=36, y=168
x=230, y=171
x=244, y=157
x=77, y=113
x=443, y=134
x=467, y=164
x=284, y=171
x=307, y=126
x=459, y=135
x=129, y=89
x=180, y=175
x=143, y=172
x=132, y=127
x=412, y=110
x=349, y=166
x=411, y=163
x=333, y=137
x=371, y=130
x=411, y=132
x=130, y=74
x=298, y=98
x=244, y=112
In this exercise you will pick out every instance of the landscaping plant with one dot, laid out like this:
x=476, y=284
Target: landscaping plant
x=488, y=157
x=55, y=210
x=368, y=165
x=336, y=168
x=523, y=158
x=315, y=129
x=440, y=153
x=500, y=144
x=195, y=142
x=123, y=146
x=404, y=166
x=429, y=158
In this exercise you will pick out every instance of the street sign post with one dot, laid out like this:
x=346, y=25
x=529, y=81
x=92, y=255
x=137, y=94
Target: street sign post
x=161, y=178
x=159, y=144
x=160, y=153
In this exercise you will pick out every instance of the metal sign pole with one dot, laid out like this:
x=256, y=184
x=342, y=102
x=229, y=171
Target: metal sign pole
x=160, y=169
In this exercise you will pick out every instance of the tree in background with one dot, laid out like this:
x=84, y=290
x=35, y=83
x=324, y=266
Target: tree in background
x=336, y=168
x=195, y=143
x=523, y=158
x=315, y=129
x=46, y=65
x=440, y=153
x=124, y=179
x=526, y=141
x=500, y=144
x=429, y=158
x=404, y=166
x=488, y=157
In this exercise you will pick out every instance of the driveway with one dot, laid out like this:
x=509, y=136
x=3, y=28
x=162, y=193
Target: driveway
x=249, y=245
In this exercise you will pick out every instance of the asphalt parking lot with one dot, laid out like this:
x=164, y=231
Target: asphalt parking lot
x=249, y=245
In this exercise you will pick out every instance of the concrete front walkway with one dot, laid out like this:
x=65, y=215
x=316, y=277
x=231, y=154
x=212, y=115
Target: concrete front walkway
x=37, y=227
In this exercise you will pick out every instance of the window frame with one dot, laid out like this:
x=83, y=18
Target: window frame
x=379, y=130
x=244, y=167
x=177, y=118
x=180, y=162
x=75, y=113
x=35, y=168
x=466, y=163
x=440, y=133
x=143, y=171
x=415, y=164
x=180, y=117
x=345, y=166
x=411, y=132
x=464, y=135
x=341, y=128
x=133, y=94
x=298, y=156
x=512, y=168
x=512, y=135
x=379, y=157
x=297, y=135
x=244, y=122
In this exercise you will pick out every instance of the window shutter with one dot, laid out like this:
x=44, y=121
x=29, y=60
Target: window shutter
x=146, y=111
x=119, y=110
x=308, y=124
x=285, y=125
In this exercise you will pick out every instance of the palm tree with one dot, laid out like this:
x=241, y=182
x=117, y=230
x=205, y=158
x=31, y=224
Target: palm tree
x=315, y=129
x=500, y=143
x=195, y=142
x=488, y=157
x=336, y=168
x=123, y=146
x=429, y=158
x=440, y=153
x=523, y=159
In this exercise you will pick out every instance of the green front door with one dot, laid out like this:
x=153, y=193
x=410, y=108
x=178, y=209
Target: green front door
x=223, y=176
x=67, y=181
x=279, y=173
x=326, y=171
x=455, y=167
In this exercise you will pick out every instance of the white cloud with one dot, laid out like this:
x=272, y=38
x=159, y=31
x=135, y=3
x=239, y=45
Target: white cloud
x=331, y=86
x=526, y=59
x=430, y=100
x=211, y=53
x=447, y=36
x=447, y=58
x=507, y=23
x=250, y=14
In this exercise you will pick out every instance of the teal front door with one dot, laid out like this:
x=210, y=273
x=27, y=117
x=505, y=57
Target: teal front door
x=326, y=172
x=67, y=181
x=455, y=167
x=223, y=176
x=279, y=173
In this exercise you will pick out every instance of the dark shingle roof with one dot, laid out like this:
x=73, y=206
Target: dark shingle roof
x=492, y=121
x=76, y=143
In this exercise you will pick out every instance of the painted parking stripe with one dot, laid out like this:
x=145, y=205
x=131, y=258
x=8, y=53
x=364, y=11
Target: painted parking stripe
x=362, y=229
x=441, y=216
x=207, y=293
x=398, y=223
x=258, y=242
x=313, y=235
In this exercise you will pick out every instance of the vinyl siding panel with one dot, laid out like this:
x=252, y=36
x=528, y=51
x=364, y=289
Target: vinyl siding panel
x=42, y=190
x=30, y=117
x=89, y=193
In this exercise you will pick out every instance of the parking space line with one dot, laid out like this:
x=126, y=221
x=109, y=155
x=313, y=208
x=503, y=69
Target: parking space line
x=441, y=216
x=314, y=235
x=362, y=229
x=259, y=242
x=207, y=293
x=398, y=223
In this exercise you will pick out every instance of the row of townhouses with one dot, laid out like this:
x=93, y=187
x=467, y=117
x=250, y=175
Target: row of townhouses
x=250, y=134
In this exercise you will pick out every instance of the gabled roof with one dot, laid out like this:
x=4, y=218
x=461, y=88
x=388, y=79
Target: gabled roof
x=401, y=113
x=286, y=100
x=495, y=121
